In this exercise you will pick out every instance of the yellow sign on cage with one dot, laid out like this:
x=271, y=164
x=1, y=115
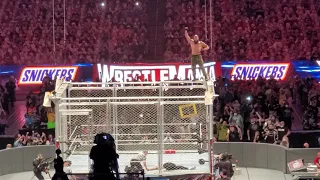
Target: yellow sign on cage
x=188, y=111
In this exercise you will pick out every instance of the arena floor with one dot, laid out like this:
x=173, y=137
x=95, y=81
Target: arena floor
x=188, y=160
x=80, y=163
x=243, y=174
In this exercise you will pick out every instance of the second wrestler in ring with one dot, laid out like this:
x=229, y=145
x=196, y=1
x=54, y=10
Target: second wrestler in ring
x=140, y=163
x=196, y=47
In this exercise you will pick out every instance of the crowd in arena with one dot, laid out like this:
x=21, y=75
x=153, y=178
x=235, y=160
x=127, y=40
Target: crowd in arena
x=32, y=139
x=7, y=100
x=245, y=29
x=262, y=110
x=94, y=32
x=36, y=113
x=7, y=96
x=37, y=116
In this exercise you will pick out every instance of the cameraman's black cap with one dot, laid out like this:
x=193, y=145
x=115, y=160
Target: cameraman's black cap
x=225, y=156
x=58, y=151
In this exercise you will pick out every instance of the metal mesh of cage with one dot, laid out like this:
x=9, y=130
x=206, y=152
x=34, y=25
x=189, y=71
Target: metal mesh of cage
x=137, y=89
x=170, y=121
x=137, y=127
x=72, y=131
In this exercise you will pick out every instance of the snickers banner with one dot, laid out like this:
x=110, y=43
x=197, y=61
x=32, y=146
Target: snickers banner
x=265, y=70
x=34, y=75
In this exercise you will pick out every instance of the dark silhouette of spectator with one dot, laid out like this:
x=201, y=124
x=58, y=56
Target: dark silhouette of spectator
x=58, y=166
x=10, y=87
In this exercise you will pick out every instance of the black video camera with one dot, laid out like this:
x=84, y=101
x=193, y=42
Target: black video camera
x=103, y=138
x=104, y=156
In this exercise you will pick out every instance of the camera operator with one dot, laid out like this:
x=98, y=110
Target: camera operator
x=104, y=158
x=58, y=166
x=225, y=165
x=37, y=168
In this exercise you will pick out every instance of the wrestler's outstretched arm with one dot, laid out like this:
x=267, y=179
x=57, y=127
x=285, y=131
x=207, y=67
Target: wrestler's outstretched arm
x=187, y=35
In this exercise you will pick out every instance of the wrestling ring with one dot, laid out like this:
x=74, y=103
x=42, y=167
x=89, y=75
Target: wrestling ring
x=172, y=120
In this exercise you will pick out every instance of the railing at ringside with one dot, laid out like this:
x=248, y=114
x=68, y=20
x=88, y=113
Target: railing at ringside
x=122, y=176
x=20, y=159
x=24, y=156
x=267, y=156
x=141, y=176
